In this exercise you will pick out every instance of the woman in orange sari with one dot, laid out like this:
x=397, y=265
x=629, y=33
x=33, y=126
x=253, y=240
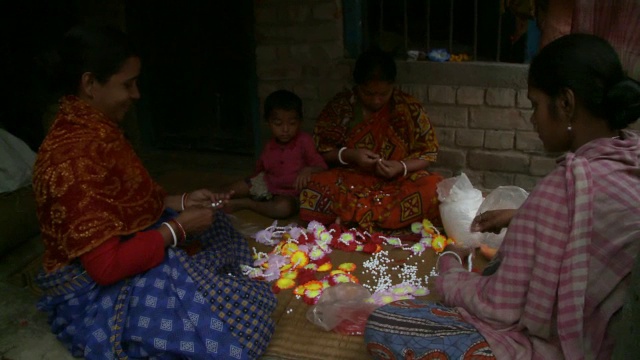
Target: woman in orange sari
x=379, y=142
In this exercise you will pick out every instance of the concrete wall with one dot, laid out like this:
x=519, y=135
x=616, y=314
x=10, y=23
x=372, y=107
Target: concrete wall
x=479, y=110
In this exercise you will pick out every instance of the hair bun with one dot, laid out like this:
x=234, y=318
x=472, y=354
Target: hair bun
x=623, y=102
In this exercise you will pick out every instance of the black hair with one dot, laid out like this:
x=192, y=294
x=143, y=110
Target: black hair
x=284, y=100
x=591, y=68
x=100, y=50
x=374, y=64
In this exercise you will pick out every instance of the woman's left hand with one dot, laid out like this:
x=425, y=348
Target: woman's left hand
x=463, y=252
x=389, y=169
x=205, y=198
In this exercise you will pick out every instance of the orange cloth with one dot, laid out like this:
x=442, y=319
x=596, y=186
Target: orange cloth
x=89, y=185
x=401, y=131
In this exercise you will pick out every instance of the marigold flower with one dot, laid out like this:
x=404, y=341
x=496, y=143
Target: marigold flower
x=286, y=267
x=293, y=274
x=313, y=285
x=311, y=296
x=339, y=279
x=316, y=253
x=348, y=267
x=299, y=259
x=284, y=284
x=325, y=267
x=289, y=248
x=299, y=290
x=438, y=243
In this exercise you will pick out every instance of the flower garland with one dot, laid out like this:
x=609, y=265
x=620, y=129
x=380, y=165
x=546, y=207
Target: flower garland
x=430, y=237
x=299, y=254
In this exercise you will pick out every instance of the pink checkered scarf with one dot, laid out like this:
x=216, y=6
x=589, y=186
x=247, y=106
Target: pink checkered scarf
x=564, y=257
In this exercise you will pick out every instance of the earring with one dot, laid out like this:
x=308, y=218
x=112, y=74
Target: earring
x=569, y=128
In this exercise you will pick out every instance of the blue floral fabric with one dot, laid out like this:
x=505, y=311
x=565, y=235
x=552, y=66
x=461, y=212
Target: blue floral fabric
x=188, y=307
x=418, y=329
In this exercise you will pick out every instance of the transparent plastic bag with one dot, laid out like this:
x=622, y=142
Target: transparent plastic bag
x=459, y=203
x=342, y=308
x=503, y=197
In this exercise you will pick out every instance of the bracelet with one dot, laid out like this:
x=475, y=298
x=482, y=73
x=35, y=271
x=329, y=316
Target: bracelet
x=184, y=200
x=404, y=165
x=182, y=232
x=469, y=259
x=447, y=253
x=173, y=233
x=340, y=155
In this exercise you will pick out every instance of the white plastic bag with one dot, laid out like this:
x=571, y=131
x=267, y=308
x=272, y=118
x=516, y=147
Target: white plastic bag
x=16, y=162
x=342, y=308
x=503, y=197
x=459, y=203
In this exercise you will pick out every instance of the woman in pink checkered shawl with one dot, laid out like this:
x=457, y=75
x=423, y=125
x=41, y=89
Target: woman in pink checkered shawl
x=563, y=268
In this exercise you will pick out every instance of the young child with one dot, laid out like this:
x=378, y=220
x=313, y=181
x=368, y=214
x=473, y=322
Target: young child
x=285, y=165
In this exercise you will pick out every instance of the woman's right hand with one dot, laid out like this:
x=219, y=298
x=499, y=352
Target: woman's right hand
x=196, y=219
x=492, y=221
x=364, y=159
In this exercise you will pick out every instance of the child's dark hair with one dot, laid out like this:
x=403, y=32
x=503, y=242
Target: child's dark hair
x=284, y=100
x=100, y=50
x=590, y=67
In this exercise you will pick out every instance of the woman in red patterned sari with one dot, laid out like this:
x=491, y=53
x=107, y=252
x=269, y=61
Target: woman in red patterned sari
x=380, y=142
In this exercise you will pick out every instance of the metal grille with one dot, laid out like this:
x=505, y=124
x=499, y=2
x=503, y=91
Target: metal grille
x=480, y=29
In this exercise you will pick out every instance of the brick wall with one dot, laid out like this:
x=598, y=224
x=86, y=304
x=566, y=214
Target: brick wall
x=479, y=110
x=299, y=47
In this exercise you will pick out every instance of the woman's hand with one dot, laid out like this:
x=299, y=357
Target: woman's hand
x=196, y=219
x=205, y=198
x=462, y=252
x=492, y=221
x=362, y=158
x=388, y=169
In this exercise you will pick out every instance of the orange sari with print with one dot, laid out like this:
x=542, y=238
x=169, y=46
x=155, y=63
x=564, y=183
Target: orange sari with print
x=89, y=185
x=400, y=131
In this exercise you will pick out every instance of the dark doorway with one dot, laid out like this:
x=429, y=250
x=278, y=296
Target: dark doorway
x=198, y=80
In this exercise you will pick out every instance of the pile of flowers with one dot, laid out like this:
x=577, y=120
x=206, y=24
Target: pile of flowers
x=300, y=257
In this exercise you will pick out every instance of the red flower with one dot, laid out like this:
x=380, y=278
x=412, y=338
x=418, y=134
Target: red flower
x=371, y=248
x=306, y=275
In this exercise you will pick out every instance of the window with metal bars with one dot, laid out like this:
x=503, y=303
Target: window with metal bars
x=483, y=30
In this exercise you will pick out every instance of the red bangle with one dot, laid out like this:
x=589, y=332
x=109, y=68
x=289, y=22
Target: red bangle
x=183, y=233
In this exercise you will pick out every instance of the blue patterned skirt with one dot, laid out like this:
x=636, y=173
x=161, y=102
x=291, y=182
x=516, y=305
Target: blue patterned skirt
x=188, y=307
x=418, y=329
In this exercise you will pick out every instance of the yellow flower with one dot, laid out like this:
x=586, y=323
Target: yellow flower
x=313, y=285
x=285, y=283
x=325, y=267
x=289, y=275
x=347, y=267
x=438, y=243
x=299, y=259
x=289, y=249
